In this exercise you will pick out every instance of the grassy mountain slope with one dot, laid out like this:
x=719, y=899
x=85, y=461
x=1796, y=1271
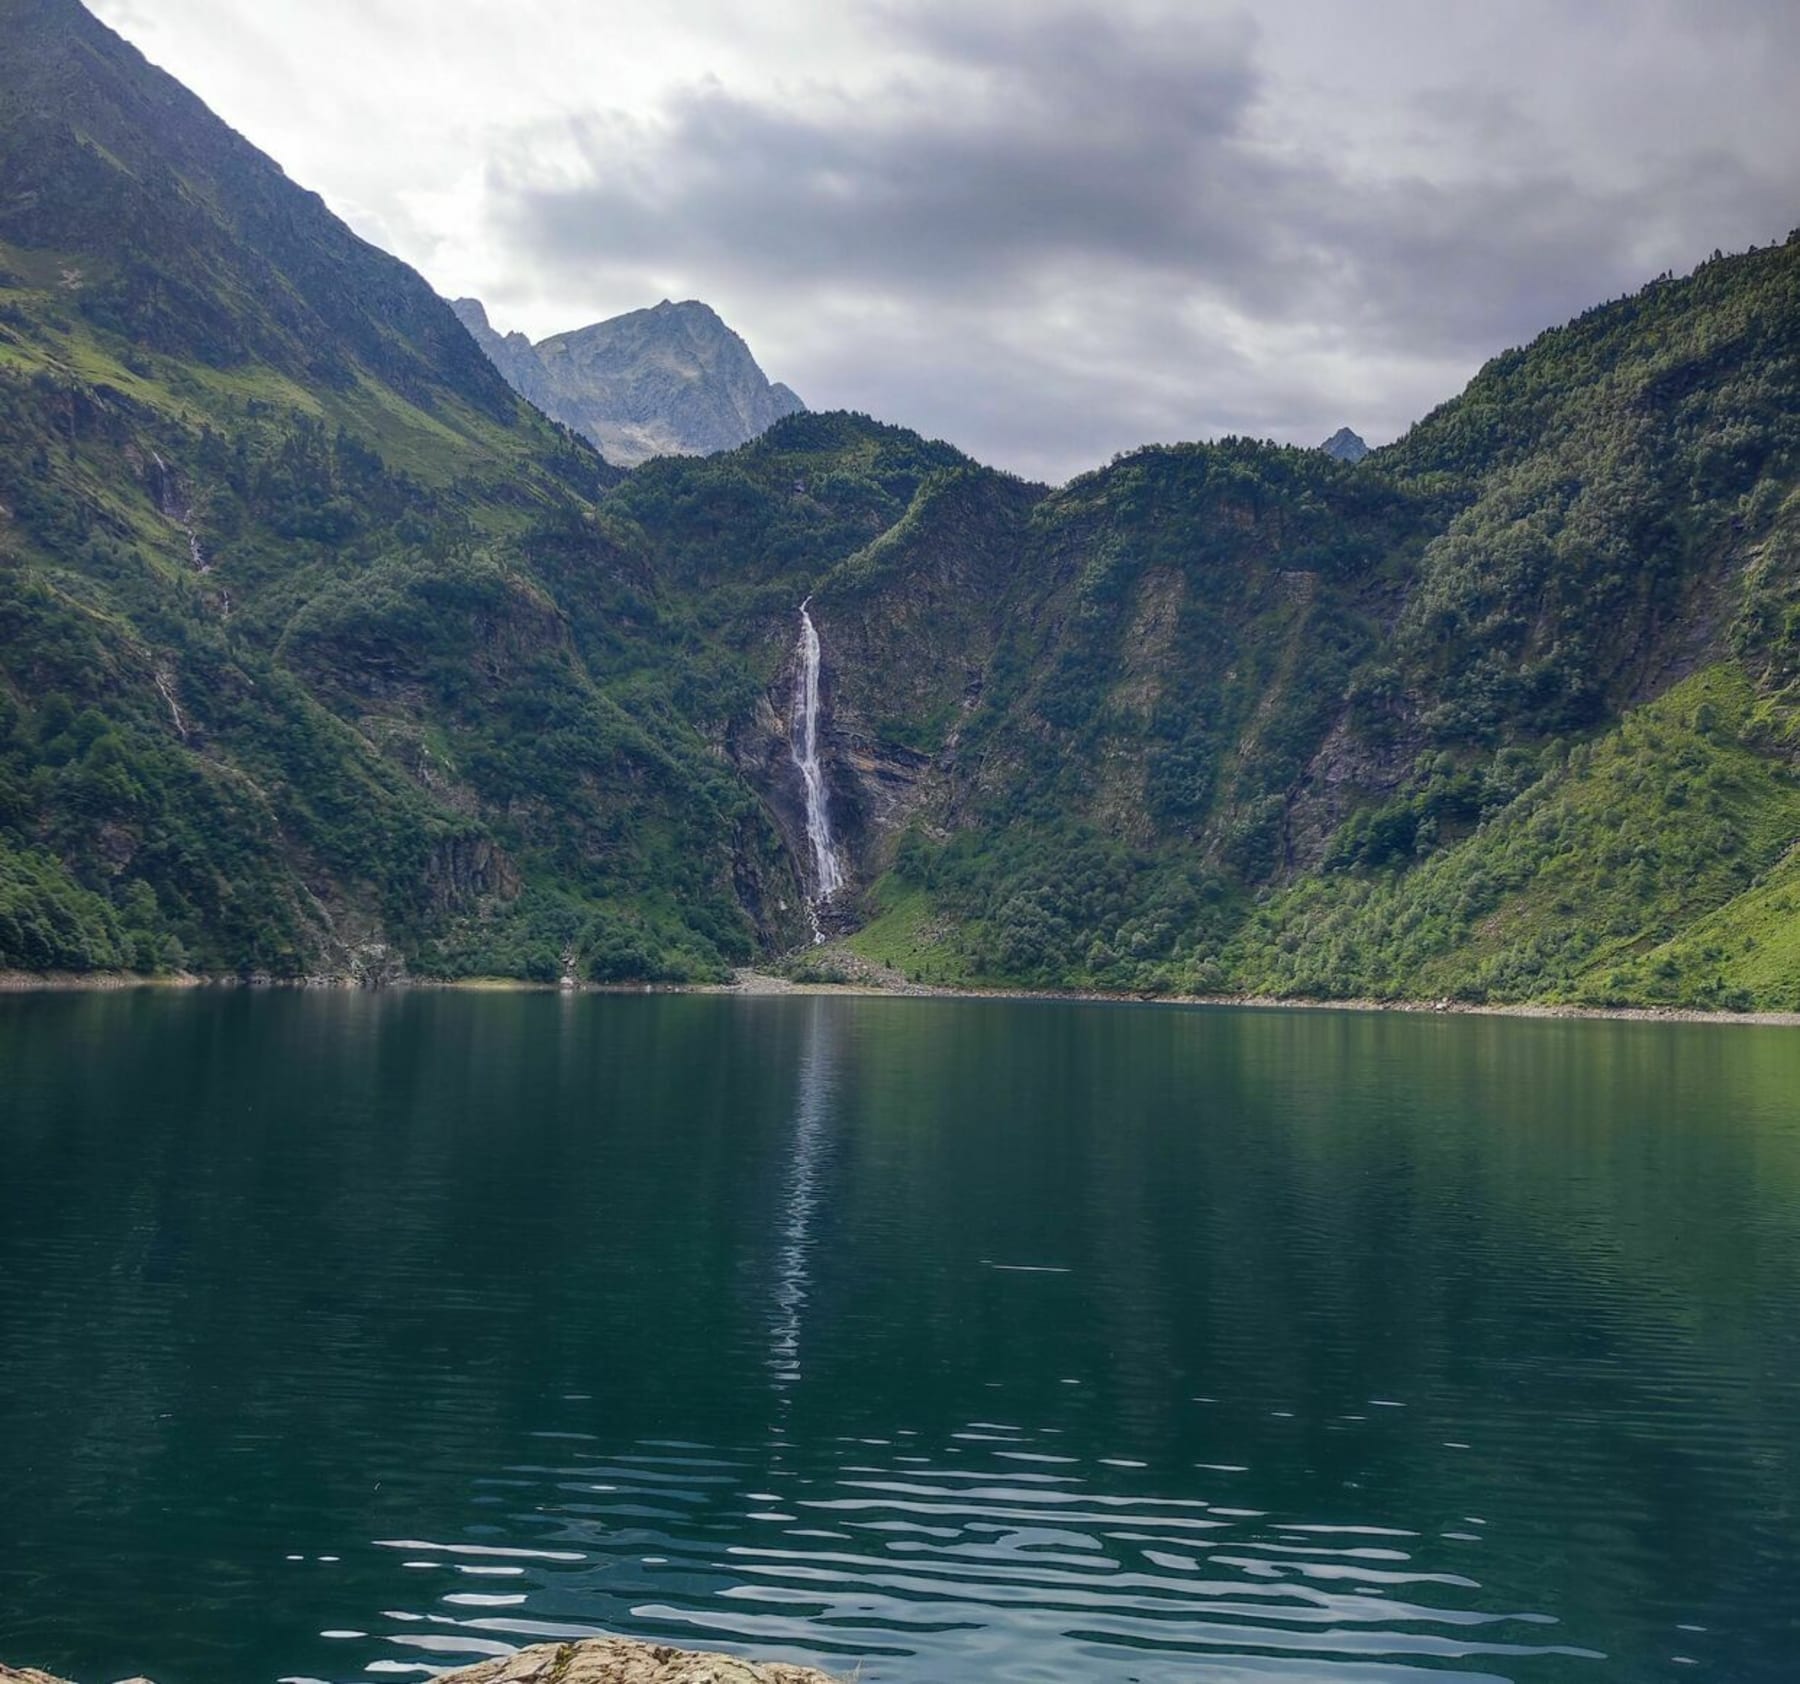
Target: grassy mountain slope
x=1570, y=890
x=286, y=683
x=182, y=238
x=321, y=651
x=1444, y=741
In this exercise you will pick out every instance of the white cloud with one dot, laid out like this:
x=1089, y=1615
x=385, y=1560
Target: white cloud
x=1045, y=231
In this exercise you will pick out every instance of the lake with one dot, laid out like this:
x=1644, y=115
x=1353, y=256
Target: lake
x=351, y=1335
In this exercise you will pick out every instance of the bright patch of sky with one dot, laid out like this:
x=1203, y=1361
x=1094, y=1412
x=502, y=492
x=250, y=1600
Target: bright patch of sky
x=1047, y=232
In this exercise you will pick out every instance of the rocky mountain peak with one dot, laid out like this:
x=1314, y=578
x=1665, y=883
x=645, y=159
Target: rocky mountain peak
x=1345, y=445
x=670, y=380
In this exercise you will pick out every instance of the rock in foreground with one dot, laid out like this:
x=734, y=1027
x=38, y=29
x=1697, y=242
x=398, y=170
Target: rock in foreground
x=619, y=1660
x=31, y=1675
x=597, y=1660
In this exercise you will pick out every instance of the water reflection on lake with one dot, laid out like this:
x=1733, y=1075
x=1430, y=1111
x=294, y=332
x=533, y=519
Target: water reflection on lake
x=352, y=1334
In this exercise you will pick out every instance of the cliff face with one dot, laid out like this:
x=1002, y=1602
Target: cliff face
x=512, y=354
x=669, y=381
x=1346, y=446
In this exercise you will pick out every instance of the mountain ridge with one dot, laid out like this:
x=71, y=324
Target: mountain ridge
x=323, y=652
x=210, y=207
x=670, y=380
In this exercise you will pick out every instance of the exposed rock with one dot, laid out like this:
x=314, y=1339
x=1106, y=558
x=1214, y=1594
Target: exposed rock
x=513, y=354
x=468, y=869
x=887, y=781
x=618, y=1660
x=596, y=1660
x=669, y=381
x=1344, y=774
x=30, y=1675
x=1345, y=445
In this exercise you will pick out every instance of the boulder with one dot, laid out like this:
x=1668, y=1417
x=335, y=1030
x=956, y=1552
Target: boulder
x=619, y=1660
x=595, y=1660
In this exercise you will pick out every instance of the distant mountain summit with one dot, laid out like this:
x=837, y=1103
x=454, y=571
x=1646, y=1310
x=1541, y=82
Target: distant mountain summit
x=669, y=381
x=512, y=354
x=1345, y=445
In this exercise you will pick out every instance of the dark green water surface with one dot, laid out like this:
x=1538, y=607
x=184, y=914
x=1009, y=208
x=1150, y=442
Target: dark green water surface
x=360, y=1335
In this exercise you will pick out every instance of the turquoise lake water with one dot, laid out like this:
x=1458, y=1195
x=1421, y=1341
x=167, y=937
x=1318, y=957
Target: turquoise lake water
x=355, y=1336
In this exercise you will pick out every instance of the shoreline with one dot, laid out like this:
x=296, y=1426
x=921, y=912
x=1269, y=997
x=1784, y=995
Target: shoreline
x=750, y=984
x=1269, y=1002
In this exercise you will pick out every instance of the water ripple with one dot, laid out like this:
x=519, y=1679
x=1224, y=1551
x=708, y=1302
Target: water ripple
x=951, y=1344
x=984, y=1566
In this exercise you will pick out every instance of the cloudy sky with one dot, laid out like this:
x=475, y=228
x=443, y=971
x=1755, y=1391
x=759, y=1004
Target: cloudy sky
x=1047, y=232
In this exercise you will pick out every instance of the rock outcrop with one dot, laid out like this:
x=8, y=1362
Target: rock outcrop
x=512, y=354
x=30, y=1675
x=596, y=1660
x=1345, y=445
x=669, y=381
x=621, y=1660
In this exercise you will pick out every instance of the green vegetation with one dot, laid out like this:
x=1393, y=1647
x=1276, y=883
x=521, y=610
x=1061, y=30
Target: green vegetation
x=1565, y=893
x=1747, y=953
x=287, y=682
x=905, y=933
x=1216, y=769
x=319, y=651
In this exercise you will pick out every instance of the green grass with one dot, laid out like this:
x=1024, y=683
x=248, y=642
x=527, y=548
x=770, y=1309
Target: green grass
x=1744, y=954
x=436, y=447
x=1663, y=821
x=907, y=934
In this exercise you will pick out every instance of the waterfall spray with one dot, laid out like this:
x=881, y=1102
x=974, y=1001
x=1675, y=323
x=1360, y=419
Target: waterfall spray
x=828, y=872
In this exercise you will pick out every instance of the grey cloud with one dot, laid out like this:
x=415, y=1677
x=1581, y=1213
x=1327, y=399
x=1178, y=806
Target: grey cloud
x=996, y=166
x=1047, y=397
x=1032, y=167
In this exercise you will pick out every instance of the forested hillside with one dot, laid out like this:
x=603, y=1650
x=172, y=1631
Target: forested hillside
x=322, y=653
x=287, y=682
x=1513, y=717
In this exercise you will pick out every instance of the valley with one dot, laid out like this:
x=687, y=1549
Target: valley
x=323, y=654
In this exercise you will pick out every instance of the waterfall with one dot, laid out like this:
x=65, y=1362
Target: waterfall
x=176, y=509
x=828, y=872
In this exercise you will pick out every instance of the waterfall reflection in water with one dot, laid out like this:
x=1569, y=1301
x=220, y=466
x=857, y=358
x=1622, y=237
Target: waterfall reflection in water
x=811, y=1126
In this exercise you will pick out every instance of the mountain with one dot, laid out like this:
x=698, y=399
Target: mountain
x=187, y=241
x=323, y=653
x=301, y=666
x=669, y=381
x=512, y=354
x=1508, y=711
x=1346, y=446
